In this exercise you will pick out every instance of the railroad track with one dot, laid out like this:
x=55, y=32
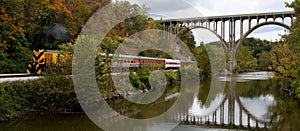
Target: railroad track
x=16, y=77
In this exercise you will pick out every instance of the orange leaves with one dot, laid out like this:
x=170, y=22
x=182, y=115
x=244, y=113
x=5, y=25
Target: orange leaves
x=11, y=24
x=3, y=18
x=57, y=7
x=12, y=38
x=5, y=15
x=2, y=10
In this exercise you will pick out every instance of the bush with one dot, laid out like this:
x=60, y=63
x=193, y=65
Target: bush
x=135, y=81
x=48, y=94
x=10, y=102
x=14, y=63
x=172, y=76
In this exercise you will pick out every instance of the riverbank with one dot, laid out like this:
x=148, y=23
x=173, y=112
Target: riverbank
x=55, y=94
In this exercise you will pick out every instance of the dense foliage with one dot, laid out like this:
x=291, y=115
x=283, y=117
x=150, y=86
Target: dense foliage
x=55, y=94
x=254, y=55
x=13, y=43
x=39, y=24
x=285, y=58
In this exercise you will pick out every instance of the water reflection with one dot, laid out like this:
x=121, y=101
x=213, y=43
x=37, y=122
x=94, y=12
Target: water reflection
x=249, y=102
x=244, y=77
x=259, y=107
x=230, y=110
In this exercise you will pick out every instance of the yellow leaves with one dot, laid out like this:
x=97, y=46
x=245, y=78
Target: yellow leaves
x=151, y=24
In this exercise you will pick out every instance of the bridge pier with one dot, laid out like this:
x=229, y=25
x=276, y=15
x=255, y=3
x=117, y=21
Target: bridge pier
x=232, y=62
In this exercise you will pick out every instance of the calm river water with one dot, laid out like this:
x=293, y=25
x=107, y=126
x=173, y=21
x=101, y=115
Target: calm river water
x=248, y=101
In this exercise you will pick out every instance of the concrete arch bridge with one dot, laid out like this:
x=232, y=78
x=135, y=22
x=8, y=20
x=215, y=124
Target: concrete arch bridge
x=231, y=30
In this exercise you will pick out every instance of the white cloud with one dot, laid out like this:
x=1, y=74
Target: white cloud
x=223, y=7
x=195, y=8
x=198, y=8
x=169, y=8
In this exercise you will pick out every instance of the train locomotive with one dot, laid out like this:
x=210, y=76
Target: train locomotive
x=42, y=59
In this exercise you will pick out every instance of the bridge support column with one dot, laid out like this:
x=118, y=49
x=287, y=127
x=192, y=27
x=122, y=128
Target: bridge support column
x=232, y=62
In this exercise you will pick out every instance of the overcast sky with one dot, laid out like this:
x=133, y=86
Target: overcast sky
x=198, y=8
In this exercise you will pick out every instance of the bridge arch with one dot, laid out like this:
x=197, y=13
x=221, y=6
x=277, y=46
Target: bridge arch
x=202, y=27
x=256, y=27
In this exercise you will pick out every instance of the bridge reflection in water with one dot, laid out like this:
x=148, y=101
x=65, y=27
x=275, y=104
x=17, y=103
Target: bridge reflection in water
x=229, y=109
x=229, y=112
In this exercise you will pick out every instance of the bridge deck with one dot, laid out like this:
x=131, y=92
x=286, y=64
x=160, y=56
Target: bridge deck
x=236, y=17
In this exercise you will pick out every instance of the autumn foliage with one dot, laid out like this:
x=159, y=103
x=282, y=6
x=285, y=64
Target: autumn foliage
x=39, y=24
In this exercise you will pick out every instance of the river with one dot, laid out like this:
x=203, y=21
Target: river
x=248, y=101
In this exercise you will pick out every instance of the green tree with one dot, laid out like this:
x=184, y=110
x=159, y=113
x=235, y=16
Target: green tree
x=285, y=58
x=201, y=56
x=264, y=61
x=256, y=45
x=188, y=39
x=245, y=61
x=285, y=64
x=294, y=38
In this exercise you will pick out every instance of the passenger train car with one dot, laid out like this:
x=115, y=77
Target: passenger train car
x=140, y=61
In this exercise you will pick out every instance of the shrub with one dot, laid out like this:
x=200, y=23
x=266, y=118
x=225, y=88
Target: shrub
x=48, y=94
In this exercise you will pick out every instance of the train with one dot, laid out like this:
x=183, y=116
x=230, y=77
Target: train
x=43, y=58
x=128, y=61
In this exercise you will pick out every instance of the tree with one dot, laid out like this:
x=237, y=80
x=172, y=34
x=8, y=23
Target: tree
x=39, y=24
x=14, y=53
x=203, y=63
x=264, y=61
x=286, y=58
x=188, y=39
x=294, y=38
x=256, y=46
x=245, y=61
